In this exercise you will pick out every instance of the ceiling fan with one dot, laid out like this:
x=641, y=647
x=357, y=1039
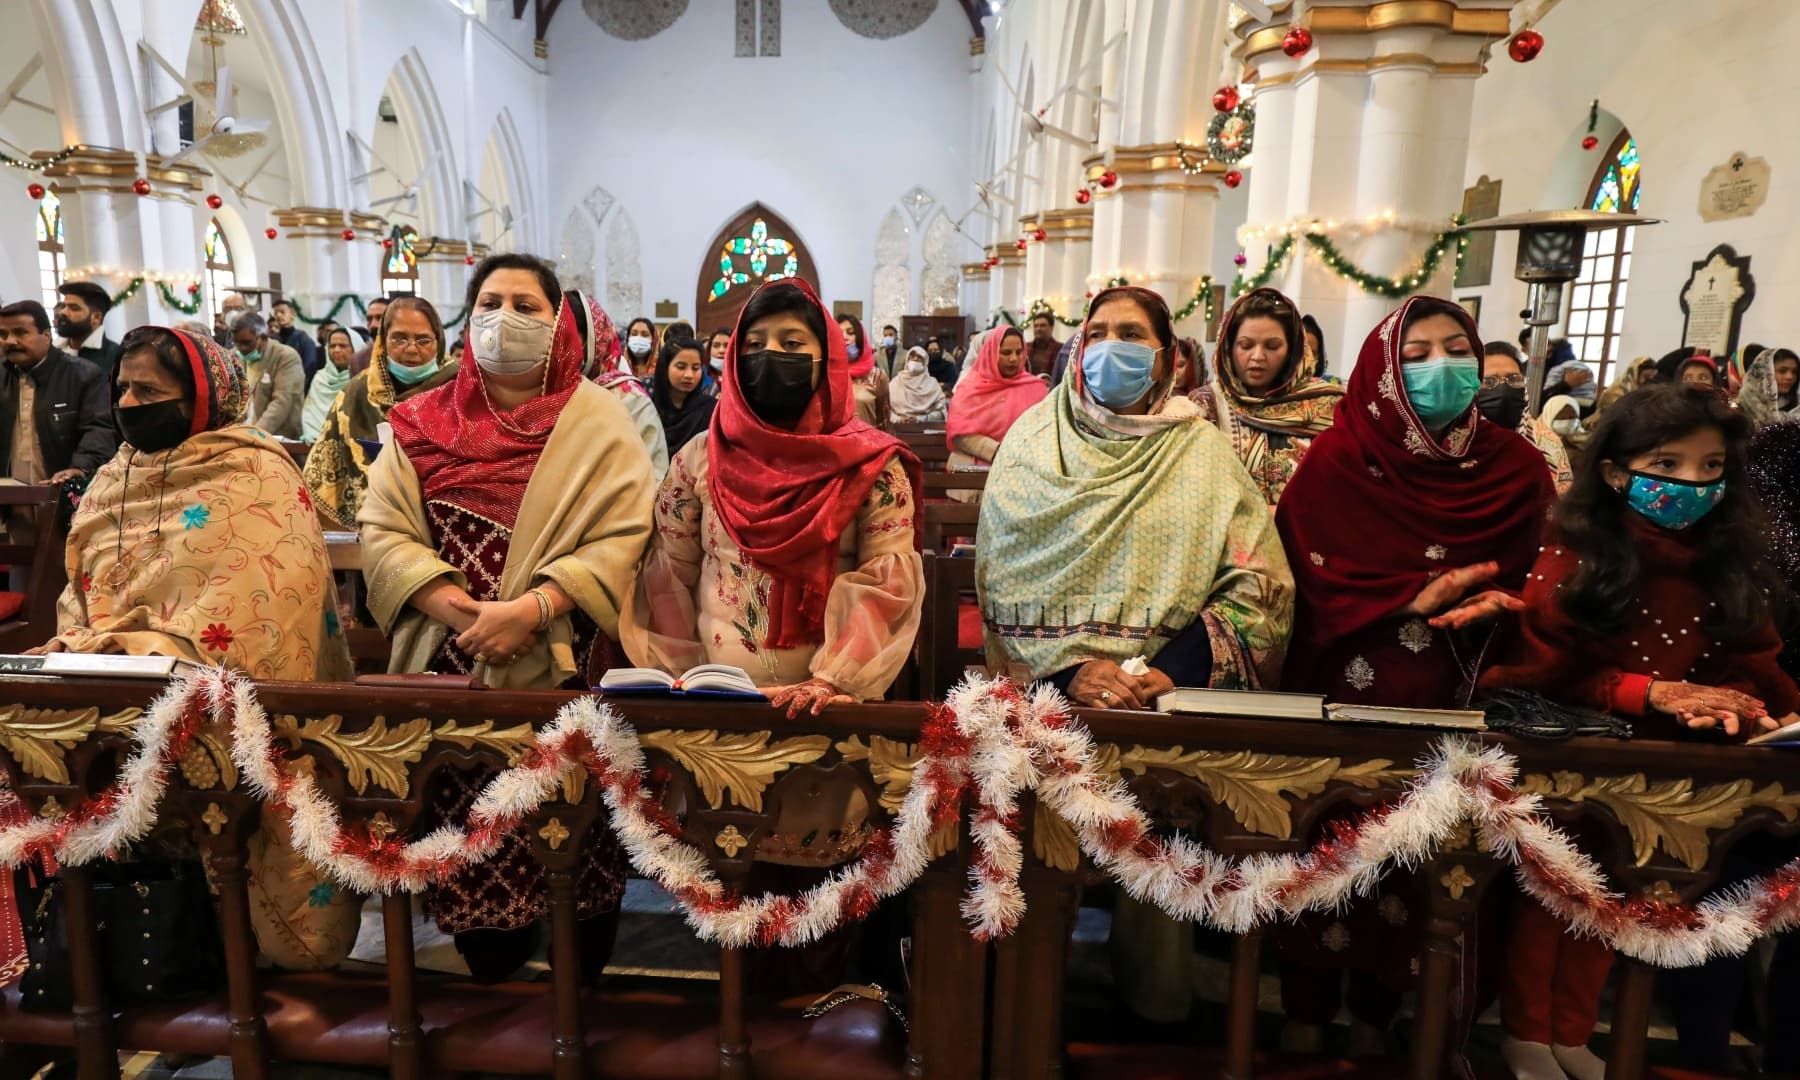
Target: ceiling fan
x=1034, y=118
x=227, y=129
x=473, y=195
x=409, y=192
x=242, y=190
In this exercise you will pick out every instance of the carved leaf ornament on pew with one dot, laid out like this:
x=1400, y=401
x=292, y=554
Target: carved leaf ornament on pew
x=990, y=742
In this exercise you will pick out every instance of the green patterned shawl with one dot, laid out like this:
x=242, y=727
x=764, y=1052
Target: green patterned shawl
x=1095, y=545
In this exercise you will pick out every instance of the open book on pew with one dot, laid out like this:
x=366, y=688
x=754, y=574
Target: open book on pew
x=101, y=665
x=1273, y=705
x=707, y=680
x=1781, y=736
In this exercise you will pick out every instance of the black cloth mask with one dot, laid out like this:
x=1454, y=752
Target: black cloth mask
x=155, y=427
x=1503, y=405
x=776, y=385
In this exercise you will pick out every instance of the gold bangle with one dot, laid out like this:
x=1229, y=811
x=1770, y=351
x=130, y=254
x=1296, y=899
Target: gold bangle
x=546, y=611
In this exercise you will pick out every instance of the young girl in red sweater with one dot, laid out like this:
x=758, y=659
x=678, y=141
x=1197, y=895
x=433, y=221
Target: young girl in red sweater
x=1654, y=598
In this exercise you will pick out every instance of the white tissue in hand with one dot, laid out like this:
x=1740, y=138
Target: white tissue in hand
x=1136, y=667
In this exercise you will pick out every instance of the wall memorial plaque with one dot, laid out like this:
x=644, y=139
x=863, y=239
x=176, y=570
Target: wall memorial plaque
x=1717, y=293
x=1735, y=189
x=1479, y=201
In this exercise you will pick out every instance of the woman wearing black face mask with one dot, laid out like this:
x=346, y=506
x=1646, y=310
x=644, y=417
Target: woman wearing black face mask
x=198, y=541
x=1501, y=400
x=786, y=538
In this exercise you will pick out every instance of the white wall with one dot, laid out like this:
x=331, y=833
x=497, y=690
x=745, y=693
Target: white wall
x=1694, y=83
x=685, y=135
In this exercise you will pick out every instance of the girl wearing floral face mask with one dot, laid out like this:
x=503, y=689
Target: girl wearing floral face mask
x=500, y=528
x=1650, y=599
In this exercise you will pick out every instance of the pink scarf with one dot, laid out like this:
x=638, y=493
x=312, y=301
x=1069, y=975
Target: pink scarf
x=985, y=403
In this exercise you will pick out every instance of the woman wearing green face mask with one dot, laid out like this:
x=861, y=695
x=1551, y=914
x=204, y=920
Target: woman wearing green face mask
x=408, y=360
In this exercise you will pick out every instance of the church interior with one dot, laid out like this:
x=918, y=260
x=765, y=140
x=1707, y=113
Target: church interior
x=981, y=538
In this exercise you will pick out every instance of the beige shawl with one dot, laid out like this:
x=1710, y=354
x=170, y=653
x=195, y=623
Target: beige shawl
x=583, y=524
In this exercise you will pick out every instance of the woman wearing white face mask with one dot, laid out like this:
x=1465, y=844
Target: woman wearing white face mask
x=913, y=395
x=1563, y=414
x=502, y=530
x=640, y=348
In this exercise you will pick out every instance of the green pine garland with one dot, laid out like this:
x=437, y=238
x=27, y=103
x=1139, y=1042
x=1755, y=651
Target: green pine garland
x=1202, y=295
x=1277, y=256
x=1393, y=288
x=190, y=306
x=331, y=315
x=38, y=165
x=130, y=290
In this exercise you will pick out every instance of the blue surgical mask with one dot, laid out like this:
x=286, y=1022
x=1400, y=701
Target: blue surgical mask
x=639, y=346
x=1671, y=503
x=853, y=349
x=1443, y=389
x=887, y=342
x=412, y=376
x=1118, y=373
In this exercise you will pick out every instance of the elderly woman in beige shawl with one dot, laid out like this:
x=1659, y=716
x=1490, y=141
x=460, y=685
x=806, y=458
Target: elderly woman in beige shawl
x=913, y=395
x=198, y=541
x=502, y=531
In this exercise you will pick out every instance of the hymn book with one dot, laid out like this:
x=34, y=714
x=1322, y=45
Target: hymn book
x=1781, y=736
x=102, y=665
x=1450, y=719
x=1246, y=704
x=707, y=680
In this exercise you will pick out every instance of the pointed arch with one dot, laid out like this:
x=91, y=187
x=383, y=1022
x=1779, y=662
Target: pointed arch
x=892, y=288
x=424, y=131
x=504, y=155
x=741, y=256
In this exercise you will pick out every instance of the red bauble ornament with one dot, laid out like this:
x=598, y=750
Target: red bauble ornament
x=141, y=186
x=1525, y=46
x=214, y=201
x=1089, y=294
x=193, y=287
x=1019, y=243
x=468, y=260
x=349, y=234
x=387, y=242
x=1240, y=258
x=1084, y=196
x=1109, y=179
x=1225, y=98
x=1589, y=143
x=1297, y=42
x=1040, y=235
x=271, y=232
x=36, y=191
x=1233, y=178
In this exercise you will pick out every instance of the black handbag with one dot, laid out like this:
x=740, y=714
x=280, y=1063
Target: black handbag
x=158, y=934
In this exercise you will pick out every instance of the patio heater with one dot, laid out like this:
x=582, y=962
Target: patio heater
x=1550, y=247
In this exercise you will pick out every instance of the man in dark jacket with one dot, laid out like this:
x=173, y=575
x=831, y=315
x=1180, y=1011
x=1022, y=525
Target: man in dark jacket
x=56, y=421
x=284, y=328
x=81, y=323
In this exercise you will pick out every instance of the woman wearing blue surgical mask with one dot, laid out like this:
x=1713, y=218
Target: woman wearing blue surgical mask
x=1124, y=552
x=408, y=360
x=869, y=381
x=640, y=349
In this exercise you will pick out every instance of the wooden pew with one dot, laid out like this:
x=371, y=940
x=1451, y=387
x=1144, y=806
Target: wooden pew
x=43, y=555
x=929, y=443
x=939, y=485
x=416, y=1026
x=942, y=660
x=296, y=450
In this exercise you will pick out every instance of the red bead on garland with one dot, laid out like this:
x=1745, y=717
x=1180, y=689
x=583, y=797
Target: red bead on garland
x=1525, y=46
x=1297, y=42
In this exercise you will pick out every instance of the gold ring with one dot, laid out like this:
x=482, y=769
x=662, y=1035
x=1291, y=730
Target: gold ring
x=1106, y=696
x=481, y=658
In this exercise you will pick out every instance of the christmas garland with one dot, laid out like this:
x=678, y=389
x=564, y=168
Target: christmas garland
x=1202, y=295
x=991, y=742
x=1277, y=255
x=1335, y=260
x=38, y=165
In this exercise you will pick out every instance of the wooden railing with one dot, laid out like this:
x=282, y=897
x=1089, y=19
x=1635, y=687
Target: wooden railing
x=740, y=778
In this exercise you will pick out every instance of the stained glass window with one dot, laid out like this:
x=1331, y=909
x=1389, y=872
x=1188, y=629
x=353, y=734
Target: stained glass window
x=762, y=250
x=50, y=247
x=400, y=262
x=1597, y=299
x=221, y=268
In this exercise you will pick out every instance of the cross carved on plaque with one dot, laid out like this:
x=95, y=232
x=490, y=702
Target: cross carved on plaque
x=1737, y=164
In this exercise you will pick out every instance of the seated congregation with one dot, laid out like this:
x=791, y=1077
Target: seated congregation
x=533, y=516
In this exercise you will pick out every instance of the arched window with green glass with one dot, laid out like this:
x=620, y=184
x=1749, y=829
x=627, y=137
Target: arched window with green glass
x=400, y=263
x=221, y=268
x=1597, y=301
x=51, y=260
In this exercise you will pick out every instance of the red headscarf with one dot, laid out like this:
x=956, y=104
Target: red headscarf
x=1419, y=505
x=585, y=323
x=987, y=403
x=865, y=360
x=469, y=452
x=786, y=497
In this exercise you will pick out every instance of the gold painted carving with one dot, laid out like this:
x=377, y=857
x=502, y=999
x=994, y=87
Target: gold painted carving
x=215, y=818
x=381, y=826
x=36, y=738
x=377, y=754
x=891, y=764
x=50, y=808
x=1251, y=785
x=741, y=764
x=1053, y=840
x=730, y=841
x=554, y=833
x=1457, y=881
x=1672, y=813
x=512, y=741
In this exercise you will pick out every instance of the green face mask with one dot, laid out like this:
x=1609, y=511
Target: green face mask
x=1443, y=389
x=412, y=376
x=251, y=357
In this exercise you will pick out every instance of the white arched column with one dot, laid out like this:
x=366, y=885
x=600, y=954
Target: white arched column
x=1155, y=228
x=1370, y=125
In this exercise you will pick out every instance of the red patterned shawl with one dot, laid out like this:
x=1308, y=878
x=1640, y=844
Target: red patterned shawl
x=786, y=497
x=1380, y=507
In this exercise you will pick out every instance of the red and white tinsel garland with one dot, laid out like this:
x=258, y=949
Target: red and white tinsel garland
x=992, y=741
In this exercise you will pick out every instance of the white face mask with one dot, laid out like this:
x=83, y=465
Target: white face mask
x=508, y=343
x=887, y=342
x=1566, y=428
x=916, y=366
x=639, y=346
